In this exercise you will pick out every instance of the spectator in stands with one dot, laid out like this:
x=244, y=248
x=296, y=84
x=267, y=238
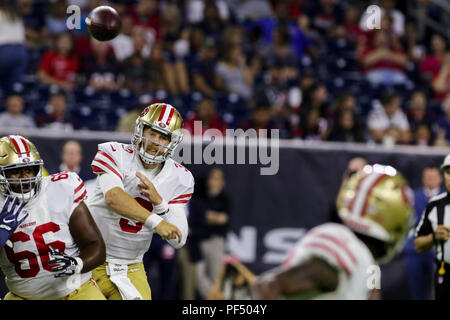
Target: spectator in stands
x=383, y=60
x=431, y=64
x=351, y=24
x=419, y=266
x=316, y=97
x=281, y=50
x=234, y=74
x=212, y=23
x=314, y=126
x=207, y=116
x=421, y=135
x=60, y=66
x=387, y=121
x=261, y=117
x=123, y=43
x=441, y=81
x=347, y=129
x=147, y=15
x=175, y=48
x=209, y=220
x=56, y=116
x=56, y=20
x=326, y=15
x=144, y=74
x=204, y=69
x=71, y=157
x=34, y=18
x=418, y=112
x=13, y=117
x=443, y=125
x=100, y=67
x=13, y=53
x=345, y=102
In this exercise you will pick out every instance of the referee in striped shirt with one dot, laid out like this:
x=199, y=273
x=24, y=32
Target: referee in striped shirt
x=433, y=231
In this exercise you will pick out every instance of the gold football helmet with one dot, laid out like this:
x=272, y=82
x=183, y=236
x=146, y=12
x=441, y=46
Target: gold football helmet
x=17, y=152
x=163, y=118
x=377, y=202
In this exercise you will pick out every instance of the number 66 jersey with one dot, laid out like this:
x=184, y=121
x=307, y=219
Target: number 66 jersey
x=25, y=265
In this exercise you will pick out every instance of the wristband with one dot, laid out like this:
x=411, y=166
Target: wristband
x=79, y=265
x=161, y=208
x=152, y=221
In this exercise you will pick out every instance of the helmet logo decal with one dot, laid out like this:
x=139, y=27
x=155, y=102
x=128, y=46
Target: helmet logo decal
x=145, y=111
x=162, y=125
x=26, y=160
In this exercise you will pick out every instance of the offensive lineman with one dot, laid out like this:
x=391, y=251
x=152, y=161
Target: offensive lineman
x=139, y=191
x=57, y=239
x=332, y=261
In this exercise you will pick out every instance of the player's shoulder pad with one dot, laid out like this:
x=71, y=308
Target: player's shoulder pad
x=70, y=182
x=185, y=176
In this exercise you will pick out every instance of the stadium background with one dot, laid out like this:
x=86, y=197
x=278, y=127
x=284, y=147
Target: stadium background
x=316, y=49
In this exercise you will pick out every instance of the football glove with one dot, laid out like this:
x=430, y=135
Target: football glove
x=65, y=264
x=11, y=216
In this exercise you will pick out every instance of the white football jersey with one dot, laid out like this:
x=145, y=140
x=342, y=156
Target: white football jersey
x=128, y=240
x=25, y=265
x=337, y=245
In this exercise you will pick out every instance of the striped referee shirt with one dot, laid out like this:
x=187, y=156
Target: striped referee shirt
x=429, y=222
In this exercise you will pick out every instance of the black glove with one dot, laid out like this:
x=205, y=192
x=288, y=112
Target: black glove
x=65, y=264
x=9, y=218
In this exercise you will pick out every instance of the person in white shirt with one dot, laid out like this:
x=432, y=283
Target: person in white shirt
x=387, y=121
x=13, y=118
x=13, y=53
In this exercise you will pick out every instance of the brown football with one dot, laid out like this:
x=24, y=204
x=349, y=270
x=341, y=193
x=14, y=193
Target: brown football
x=103, y=23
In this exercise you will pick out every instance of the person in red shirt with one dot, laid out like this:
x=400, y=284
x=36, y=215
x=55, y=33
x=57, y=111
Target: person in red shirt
x=441, y=81
x=146, y=14
x=206, y=113
x=431, y=64
x=60, y=66
x=383, y=61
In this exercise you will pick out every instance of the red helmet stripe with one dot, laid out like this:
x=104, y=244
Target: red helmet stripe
x=16, y=145
x=172, y=110
x=24, y=144
x=163, y=111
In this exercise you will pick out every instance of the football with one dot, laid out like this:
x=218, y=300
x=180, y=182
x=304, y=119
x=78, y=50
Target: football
x=103, y=23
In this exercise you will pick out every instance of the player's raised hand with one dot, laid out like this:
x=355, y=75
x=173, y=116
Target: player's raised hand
x=148, y=188
x=168, y=231
x=11, y=216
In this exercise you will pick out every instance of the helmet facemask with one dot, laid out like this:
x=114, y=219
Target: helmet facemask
x=23, y=188
x=141, y=143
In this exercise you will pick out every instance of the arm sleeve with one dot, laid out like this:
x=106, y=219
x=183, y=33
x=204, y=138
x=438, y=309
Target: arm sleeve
x=177, y=217
x=107, y=160
x=107, y=181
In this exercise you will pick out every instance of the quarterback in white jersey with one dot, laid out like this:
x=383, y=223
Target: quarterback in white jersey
x=52, y=252
x=139, y=191
x=333, y=261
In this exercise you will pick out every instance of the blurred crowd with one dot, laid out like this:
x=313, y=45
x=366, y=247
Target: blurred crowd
x=311, y=69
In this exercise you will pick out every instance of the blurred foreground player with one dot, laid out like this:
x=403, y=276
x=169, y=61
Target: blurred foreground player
x=139, y=191
x=333, y=261
x=52, y=252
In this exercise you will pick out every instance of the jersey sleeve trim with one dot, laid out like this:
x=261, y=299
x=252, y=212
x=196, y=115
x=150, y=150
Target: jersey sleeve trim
x=184, y=198
x=338, y=242
x=99, y=165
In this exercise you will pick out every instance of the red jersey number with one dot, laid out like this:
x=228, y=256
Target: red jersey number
x=127, y=226
x=43, y=249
